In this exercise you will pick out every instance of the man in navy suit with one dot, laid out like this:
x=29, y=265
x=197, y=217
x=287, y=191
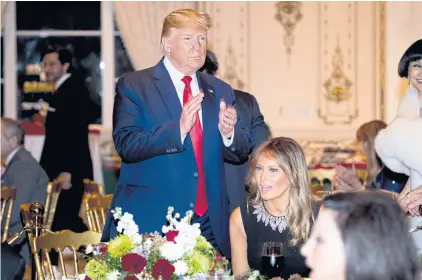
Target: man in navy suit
x=248, y=111
x=173, y=128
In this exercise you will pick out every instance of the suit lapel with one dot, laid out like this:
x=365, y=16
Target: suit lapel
x=167, y=90
x=209, y=114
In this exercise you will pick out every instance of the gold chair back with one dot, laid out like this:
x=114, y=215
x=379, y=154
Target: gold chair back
x=91, y=188
x=52, y=197
x=53, y=192
x=96, y=207
x=58, y=241
x=8, y=197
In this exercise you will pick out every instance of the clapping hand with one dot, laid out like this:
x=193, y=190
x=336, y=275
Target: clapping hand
x=189, y=113
x=66, y=179
x=412, y=201
x=227, y=119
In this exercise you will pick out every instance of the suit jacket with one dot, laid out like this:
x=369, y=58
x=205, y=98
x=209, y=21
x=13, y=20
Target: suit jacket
x=159, y=171
x=12, y=264
x=25, y=174
x=236, y=172
x=66, y=147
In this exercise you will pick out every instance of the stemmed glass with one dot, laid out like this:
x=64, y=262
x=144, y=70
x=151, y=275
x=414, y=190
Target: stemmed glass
x=272, y=259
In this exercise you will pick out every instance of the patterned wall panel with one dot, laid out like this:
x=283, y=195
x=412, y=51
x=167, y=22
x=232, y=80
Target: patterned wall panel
x=229, y=40
x=338, y=97
x=313, y=66
x=289, y=14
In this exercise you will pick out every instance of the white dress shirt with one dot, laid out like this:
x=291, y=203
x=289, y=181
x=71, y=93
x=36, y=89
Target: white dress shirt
x=62, y=80
x=11, y=155
x=176, y=78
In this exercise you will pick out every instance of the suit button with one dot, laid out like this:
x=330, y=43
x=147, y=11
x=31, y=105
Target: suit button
x=233, y=149
x=195, y=174
x=192, y=205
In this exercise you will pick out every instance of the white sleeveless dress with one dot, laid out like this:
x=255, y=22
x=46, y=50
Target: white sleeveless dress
x=400, y=148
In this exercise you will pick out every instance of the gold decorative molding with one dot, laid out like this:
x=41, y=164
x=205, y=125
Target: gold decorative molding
x=288, y=13
x=338, y=86
x=230, y=74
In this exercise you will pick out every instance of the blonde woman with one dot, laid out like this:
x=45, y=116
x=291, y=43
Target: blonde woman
x=378, y=176
x=279, y=208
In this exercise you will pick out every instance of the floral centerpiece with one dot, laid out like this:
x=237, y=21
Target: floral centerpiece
x=179, y=253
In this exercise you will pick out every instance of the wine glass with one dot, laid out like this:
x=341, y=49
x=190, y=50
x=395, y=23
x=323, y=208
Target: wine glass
x=272, y=259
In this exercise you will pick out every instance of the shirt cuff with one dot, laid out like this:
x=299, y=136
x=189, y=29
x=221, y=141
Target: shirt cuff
x=183, y=138
x=228, y=142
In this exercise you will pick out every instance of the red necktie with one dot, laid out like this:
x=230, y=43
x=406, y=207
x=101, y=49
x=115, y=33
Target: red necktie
x=196, y=138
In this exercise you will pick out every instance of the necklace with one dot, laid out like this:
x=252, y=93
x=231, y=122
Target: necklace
x=275, y=222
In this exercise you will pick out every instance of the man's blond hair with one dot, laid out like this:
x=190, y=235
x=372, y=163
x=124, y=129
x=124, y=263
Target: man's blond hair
x=181, y=18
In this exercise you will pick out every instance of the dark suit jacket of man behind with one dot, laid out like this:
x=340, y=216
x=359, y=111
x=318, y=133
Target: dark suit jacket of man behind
x=66, y=148
x=236, y=173
x=157, y=170
x=250, y=115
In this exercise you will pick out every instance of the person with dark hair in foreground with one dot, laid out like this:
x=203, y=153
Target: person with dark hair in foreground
x=251, y=118
x=361, y=236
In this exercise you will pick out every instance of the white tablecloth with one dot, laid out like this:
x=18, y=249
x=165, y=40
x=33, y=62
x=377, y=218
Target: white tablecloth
x=34, y=144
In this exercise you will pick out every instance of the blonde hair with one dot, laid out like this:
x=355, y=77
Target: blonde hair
x=183, y=17
x=290, y=158
x=367, y=133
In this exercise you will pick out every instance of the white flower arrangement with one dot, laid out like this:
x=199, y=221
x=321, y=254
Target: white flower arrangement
x=181, y=253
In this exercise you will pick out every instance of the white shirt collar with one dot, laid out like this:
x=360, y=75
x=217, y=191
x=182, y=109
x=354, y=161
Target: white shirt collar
x=62, y=80
x=11, y=155
x=175, y=75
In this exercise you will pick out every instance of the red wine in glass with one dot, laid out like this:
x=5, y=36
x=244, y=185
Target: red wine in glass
x=272, y=263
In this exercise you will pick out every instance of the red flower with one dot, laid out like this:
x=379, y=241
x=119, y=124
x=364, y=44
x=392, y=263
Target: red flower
x=103, y=249
x=171, y=235
x=163, y=268
x=218, y=257
x=133, y=263
x=87, y=278
x=130, y=277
